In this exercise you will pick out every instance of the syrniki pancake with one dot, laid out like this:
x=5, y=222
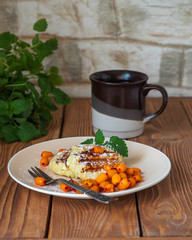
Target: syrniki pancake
x=83, y=161
x=58, y=163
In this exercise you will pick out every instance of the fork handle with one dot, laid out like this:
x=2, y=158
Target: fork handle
x=95, y=195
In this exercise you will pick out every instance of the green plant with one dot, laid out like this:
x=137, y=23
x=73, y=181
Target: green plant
x=115, y=143
x=24, y=111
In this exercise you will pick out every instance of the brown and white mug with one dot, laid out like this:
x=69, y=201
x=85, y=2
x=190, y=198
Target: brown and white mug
x=118, y=102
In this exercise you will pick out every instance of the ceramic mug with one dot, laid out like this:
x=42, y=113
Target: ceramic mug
x=118, y=102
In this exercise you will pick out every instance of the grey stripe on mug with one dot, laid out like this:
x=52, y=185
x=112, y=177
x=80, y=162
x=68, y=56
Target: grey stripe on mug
x=102, y=107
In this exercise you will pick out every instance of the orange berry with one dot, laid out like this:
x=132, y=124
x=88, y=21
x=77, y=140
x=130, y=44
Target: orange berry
x=95, y=188
x=115, y=166
x=87, y=182
x=121, y=167
x=133, y=171
x=124, y=184
x=116, y=178
x=111, y=172
x=94, y=183
x=61, y=150
x=44, y=161
x=123, y=175
x=102, y=185
x=46, y=154
x=132, y=182
x=109, y=188
x=65, y=187
x=138, y=178
x=98, y=149
x=101, y=178
x=107, y=168
x=40, y=181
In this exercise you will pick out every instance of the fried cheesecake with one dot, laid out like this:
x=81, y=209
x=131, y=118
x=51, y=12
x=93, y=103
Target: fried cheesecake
x=84, y=161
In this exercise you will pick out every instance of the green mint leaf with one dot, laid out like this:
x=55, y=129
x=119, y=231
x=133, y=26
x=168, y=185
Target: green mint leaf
x=88, y=141
x=40, y=25
x=47, y=100
x=2, y=54
x=3, y=105
x=54, y=77
x=45, y=114
x=34, y=93
x=19, y=106
x=44, y=85
x=42, y=126
x=99, y=137
x=45, y=49
x=54, y=70
x=6, y=39
x=3, y=120
x=27, y=131
x=36, y=39
x=61, y=97
x=118, y=145
x=9, y=133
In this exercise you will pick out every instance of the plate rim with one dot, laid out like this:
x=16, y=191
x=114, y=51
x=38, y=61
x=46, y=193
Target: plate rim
x=83, y=196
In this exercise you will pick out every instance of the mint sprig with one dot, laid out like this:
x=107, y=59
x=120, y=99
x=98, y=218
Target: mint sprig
x=24, y=111
x=115, y=143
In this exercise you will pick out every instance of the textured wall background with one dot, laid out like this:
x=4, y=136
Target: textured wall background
x=152, y=36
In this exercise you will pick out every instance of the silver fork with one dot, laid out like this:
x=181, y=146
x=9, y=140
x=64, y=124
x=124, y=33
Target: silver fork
x=37, y=172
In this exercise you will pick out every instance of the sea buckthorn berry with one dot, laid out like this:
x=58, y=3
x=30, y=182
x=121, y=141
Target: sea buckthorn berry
x=121, y=167
x=101, y=178
x=94, y=182
x=123, y=175
x=102, y=185
x=61, y=150
x=132, y=182
x=115, y=166
x=46, y=154
x=137, y=178
x=133, y=171
x=44, y=161
x=109, y=188
x=116, y=178
x=124, y=184
x=40, y=181
x=111, y=172
x=95, y=188
x=107, y=168
x=98, y=149
x=87, y=182
x=65, y=187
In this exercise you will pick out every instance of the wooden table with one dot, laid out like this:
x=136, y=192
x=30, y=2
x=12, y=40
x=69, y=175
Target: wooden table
x=160, y=212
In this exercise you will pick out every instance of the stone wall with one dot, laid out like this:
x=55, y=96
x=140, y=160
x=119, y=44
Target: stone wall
x=151, y=36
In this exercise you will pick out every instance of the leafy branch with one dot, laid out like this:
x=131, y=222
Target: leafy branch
x=25, y=112
x=115, y=143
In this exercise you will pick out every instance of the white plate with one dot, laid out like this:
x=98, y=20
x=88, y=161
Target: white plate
x=154, y=164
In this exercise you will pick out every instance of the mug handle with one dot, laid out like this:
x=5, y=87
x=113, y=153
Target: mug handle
x=164, y=94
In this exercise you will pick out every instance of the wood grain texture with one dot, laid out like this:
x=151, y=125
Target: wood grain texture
x=77, y=120
x=166, y=209
x=23, y=213
x=90, y=219
x=114, y=238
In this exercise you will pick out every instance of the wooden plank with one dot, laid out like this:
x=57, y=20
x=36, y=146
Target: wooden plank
x=77, y=120
x=166, y=209
x=23, y=213
x=114, y=238
x=88, y=218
